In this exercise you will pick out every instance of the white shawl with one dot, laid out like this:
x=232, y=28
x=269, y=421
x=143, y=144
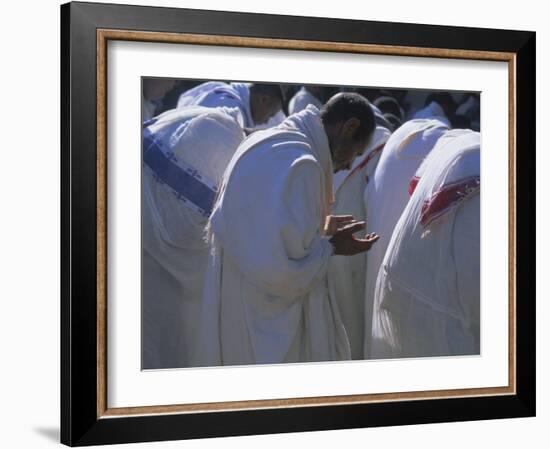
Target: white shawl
x=217, y=94
x=387, y=195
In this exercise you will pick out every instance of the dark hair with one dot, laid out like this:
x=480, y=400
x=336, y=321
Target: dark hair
x=343, y=106
x=393, y=120
x=460, y=121
x=370, y=93
x=388, y=105
x=272, y=90
x=444, y=99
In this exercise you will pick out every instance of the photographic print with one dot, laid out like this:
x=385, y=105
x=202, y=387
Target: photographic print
x=308, y=223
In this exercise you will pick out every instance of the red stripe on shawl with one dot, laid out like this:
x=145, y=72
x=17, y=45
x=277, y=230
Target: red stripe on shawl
x=366, y=160
x=446, y=197
x=413, y=184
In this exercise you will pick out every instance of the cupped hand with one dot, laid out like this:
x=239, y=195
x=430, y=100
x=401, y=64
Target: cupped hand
x=346, y=244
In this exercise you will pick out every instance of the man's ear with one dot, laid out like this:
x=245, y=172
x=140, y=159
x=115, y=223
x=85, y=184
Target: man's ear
x=350, y=126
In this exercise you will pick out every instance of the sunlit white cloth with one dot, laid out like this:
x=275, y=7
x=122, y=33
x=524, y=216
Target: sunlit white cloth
x=217, y=94
x=427, y=291
x=471, y=109
x=387, y=194
x=301, y=100
x=266, y=295
x=273, y=121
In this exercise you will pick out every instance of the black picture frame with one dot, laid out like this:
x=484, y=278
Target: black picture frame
x=81, y=424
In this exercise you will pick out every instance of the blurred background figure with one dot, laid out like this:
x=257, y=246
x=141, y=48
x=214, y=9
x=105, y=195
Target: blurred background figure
x=256, y=102
x=439, y=105
x=470, y=110
x=389, y=105
x=305, y=96
x=153, y=91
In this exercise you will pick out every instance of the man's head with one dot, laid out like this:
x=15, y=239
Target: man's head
x=156, y=88
x=265, y=101
x=349, y=123
x=388, y=105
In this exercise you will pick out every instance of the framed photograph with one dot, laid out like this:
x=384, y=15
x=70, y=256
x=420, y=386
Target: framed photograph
x=282, y=224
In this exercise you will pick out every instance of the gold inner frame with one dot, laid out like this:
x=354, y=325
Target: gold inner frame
x=104, y=35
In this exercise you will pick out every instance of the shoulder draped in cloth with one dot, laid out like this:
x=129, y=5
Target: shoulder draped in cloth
x=386, y=195
x=266, y=298
x=218, y=94
x=427, y=291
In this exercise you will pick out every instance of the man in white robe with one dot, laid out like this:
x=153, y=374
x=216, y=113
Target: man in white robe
x=257, y=103
x=427, y=292
x=266, y=295
x=347, y=274
x=185, y=154
x=387, y=194
x=274, y=120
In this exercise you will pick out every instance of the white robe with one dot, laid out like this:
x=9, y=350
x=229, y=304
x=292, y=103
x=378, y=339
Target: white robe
x=301, y=100
x=218, y=94
x=432, y=111
x=195, y=145
x=427, y=292
x=273, y=121
x=266, y=298
x=387, y=194
x=347, y=273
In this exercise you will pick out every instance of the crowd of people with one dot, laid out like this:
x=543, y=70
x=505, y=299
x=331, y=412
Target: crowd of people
x=286, y=223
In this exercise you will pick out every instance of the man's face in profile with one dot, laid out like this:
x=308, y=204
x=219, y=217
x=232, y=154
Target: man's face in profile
x=345, y=147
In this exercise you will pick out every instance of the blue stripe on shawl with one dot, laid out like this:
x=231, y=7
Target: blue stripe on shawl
x=184, y=183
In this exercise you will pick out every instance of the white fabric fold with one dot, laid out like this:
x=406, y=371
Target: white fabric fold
x=347, y=273
x=266, y=298
x=174, y=251
x=218, y=94
x=432, y=111
x=301, y=100
x=386, y=195
x=427, y=292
